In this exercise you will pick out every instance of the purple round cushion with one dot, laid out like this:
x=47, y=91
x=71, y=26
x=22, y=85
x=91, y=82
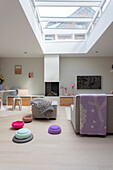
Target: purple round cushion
x=54, y=129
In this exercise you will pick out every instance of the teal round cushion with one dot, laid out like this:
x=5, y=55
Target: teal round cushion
x=23, y=133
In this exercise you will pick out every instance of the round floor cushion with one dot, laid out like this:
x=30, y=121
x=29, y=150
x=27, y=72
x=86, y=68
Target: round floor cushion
x=22, y=140
x=17, y=124
x=27, y=119
x=23, y=133
x=54, y=129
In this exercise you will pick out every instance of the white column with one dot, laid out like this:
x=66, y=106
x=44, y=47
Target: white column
x=51, y=68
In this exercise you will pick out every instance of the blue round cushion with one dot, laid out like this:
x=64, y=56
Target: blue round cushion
x=23, y=133
x=54, y=129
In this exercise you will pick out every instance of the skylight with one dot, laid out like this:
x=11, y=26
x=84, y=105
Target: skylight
x=64, y=20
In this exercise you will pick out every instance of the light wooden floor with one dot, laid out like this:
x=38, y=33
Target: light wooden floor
x=66, y=151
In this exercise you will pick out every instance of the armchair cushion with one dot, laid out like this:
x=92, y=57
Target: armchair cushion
x=42, y=108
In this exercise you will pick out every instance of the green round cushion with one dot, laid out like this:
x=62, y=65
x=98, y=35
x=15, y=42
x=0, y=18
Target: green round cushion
x=23, y=133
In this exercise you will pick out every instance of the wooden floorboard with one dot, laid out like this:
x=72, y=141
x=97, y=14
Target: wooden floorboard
x=66, y=151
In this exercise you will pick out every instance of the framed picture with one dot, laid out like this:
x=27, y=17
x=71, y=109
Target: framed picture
x=30, y=75
x=18, y=69
x=88, y=82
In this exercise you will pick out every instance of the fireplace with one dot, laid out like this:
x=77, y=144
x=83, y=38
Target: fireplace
x=51, y=88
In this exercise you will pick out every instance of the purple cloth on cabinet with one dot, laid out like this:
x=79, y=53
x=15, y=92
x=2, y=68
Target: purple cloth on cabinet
x=93, y=109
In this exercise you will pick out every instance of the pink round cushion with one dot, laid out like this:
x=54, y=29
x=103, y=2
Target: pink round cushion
x=27, y=119
x=17, y=124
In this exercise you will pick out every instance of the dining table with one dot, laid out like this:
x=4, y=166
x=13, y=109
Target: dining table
x=2, y=95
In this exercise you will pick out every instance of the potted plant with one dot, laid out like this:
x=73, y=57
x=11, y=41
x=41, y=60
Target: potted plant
x=65, y=91
x=2, y=80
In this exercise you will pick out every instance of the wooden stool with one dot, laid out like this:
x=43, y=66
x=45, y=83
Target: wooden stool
x=19, y=100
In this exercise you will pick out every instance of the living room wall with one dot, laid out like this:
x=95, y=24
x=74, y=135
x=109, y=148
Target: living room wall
x=71, y=67
x=35, y=65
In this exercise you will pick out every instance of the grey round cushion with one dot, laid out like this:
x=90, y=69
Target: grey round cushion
x=22, y=140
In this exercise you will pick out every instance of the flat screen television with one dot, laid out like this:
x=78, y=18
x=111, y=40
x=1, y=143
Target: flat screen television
x=88, y=82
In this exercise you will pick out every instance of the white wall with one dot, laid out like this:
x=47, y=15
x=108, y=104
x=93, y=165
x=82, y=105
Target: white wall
x=71, y=67
x=35, y=65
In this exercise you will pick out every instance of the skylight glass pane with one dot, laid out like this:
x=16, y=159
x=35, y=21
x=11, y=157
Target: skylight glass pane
x=79, y=36
x=67, y=11
x=64, y=37
x=64, y=25
x=50, y=37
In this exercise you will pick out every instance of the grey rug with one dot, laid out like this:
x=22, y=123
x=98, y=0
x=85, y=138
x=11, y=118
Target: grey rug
x=8, y=111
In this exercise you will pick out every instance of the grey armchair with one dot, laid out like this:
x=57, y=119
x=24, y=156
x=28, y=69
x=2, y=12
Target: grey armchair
x=50, y=113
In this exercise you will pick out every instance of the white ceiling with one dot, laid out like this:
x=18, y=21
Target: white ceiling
x=17, y=37
x=104, y=45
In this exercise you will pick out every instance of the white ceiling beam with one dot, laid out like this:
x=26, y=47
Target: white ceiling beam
x=52, y=19
x=68, y=4
x=64, y=31
x=67, y=1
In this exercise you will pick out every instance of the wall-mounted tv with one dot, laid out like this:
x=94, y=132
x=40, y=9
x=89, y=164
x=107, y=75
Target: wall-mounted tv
x=88, y=82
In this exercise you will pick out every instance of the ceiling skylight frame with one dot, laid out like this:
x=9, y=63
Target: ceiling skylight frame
x=72, y=3
x=66, y=3
x=64, y=19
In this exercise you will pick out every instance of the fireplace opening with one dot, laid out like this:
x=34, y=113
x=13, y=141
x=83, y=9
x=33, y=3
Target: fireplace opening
x=52, y=89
